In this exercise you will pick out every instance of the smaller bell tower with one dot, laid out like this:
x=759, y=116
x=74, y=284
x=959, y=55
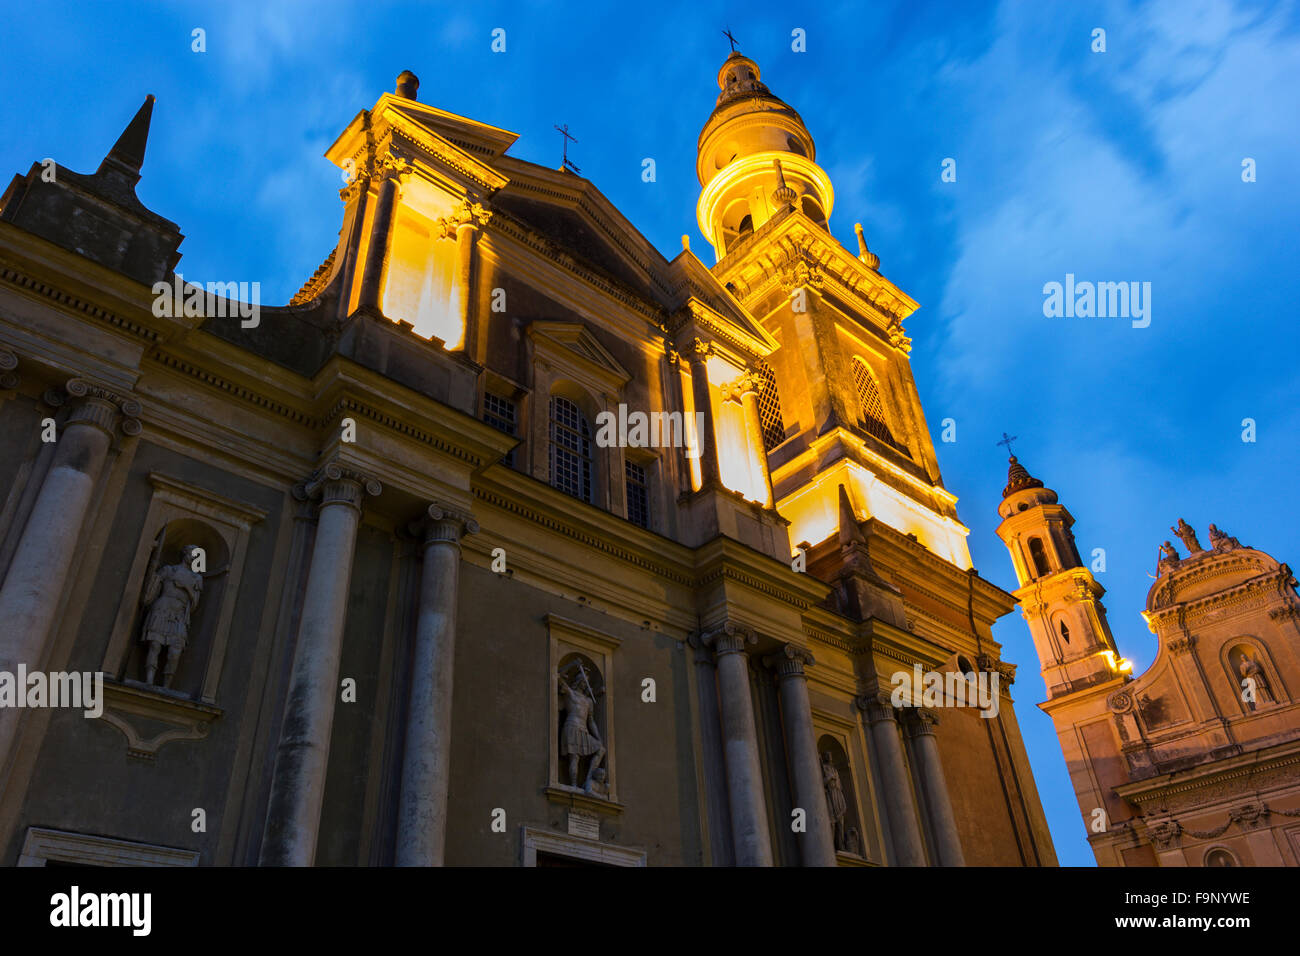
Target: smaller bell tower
x=1059, y=598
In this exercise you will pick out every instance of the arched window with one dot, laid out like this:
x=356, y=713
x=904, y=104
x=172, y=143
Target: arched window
x=873, y=409
x=1039, y=555
x=746, y=226
x=769, y=408
x=813, y=211
x=570, y=449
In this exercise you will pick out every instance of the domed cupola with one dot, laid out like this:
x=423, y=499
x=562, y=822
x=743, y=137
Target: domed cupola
x=755, y=158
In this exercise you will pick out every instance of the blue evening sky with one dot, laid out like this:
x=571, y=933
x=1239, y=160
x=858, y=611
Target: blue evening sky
x=1123, y=165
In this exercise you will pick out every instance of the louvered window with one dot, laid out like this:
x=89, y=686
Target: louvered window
x=769, y=408
x=873, y=409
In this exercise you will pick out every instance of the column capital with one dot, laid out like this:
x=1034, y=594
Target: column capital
x=8, y=362
x=790, y=661
x=441, y=524
x=389, y=166
x=703, y=655
x=747, y=384
x=697, y=350
x=98, y=406
x=469, y=215
x=729, y=638
x=1006, y=672
x=876, y=707
x=337, y=484
x=920, y=721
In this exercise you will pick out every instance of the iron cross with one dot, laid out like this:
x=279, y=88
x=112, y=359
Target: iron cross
x=564, y=131
x=732, y=40
x=1007, y=440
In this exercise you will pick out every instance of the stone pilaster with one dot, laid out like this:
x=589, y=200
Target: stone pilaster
x=715, y=780
x=37, y=581
x=745, y=790
x=900, y=806
x=817, y=842
x=921, y=724
x=426, y=761
x=298, y=786
x=388, y=170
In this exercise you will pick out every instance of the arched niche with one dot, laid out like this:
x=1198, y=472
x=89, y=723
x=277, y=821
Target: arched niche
x=1248, y=657
x=172, y=547
x=182, y=514
x=849, y=836
x=582, y=677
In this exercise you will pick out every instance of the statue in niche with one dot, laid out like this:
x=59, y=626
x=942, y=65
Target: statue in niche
x=853, y=842
x=1252, y=677
x=580, y=737
x=1222, y=542
x=171, y=594
x=1188, y=535
x=835, y=801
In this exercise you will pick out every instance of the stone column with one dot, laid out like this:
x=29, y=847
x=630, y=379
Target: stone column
x=817, y=843
x=37, y=582
x=715, y=781
x=465, y=224
x=745, y=390
x=947, y=841
x=697, y=354
x=298, y=786
x=752, y=384
x=422, y=810
x=904, y=825
x=389, y=170
x=745, y=791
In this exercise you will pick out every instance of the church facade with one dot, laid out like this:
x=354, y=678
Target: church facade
x=1195, y=762
x=507, y=541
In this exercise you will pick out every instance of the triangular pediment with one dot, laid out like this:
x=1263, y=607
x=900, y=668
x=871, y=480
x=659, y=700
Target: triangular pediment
x=448, y=146
x=573, y=340
x=699, y=293
x=481, y=139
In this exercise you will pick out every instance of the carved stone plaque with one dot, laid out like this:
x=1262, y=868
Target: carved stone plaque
x=583, y=823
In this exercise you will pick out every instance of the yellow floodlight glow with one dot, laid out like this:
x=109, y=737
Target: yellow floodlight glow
x=721, y=188
x=1121, y=665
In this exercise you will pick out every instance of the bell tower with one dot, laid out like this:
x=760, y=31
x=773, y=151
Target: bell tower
x=755, y=157
x=1059, y=597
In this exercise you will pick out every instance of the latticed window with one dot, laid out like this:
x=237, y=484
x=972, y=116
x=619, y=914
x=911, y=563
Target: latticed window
x=570, y=449
x=873, y=409
x=500, y=414
x=769, y=408
x=638, y=494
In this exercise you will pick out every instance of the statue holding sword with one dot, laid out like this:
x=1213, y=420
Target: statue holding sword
x=580, y=737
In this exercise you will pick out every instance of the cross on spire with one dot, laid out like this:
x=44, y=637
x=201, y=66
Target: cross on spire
x=732, y=40
x=1007, y=440
x=564, y=162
